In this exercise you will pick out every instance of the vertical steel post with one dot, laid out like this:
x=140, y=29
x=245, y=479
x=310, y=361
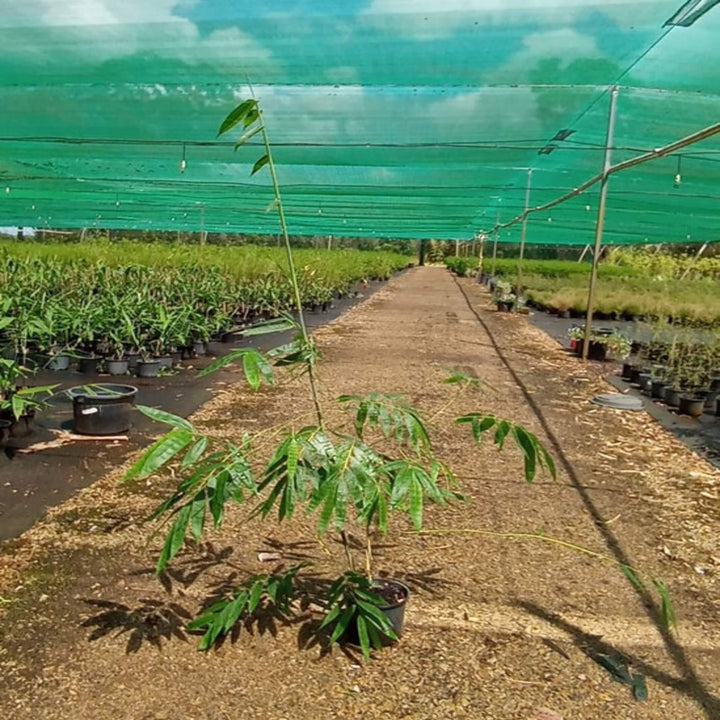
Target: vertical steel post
x=524, y=228
x=203, y=234
x=495, y=242
x=600, y=225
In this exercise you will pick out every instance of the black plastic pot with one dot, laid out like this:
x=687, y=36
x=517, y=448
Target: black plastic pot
x=657, y=389
x=691, y=405
x=132, y=360
x=708, y=396
x=395, y=613
x=149, y=368
x=89, y=365
x=200, y=349
x=635, y=375
x=23, y=426
x=717, y=407
x=715, y=384
x=671, y=396
x=645, y=382
x=627, y=370
x=102, y=409
x=597, y=351
x=58, y=362
x=4, y=431
x=116, y=367
x=166, y=362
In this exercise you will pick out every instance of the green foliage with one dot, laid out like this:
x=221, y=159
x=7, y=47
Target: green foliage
x=18, y=401
x=462, y=266
x=352, y=602
x=128, y=297
x=535, y=455
x=264, y=593
x=394, y=417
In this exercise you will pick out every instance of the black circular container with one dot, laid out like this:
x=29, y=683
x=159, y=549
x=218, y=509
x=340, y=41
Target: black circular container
x=627, y=369
x=657, y=389
x=89, y=365
x=149, y=368
x=692, y=406
x=671, y=396
x=58, y=363
x=395, y=613
x=4, y=431
x=645, y=382
x=102, y=409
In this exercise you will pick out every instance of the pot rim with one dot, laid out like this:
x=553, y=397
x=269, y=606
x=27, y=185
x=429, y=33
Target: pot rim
x=402, y=586
x=102, y=391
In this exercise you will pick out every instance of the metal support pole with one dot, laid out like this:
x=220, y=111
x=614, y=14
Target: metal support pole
x=524, y=228
x=203, y=234
x=694, y=260
x=495, y=242
x=584, y=253
x=481, y=254
x=600, y=225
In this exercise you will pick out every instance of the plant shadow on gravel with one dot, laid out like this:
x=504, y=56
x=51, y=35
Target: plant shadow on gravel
x=595, y=648
x=151, y=621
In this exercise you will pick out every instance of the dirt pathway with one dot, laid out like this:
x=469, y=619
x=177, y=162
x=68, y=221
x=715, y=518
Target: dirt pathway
x=496, y=629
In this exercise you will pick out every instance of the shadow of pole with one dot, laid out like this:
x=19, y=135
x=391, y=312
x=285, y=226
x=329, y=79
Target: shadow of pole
x=692, y=684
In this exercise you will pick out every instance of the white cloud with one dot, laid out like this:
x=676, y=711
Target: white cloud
x=427, y=19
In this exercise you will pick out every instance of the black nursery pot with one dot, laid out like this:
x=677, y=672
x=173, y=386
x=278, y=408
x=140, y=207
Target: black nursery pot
x=691, y=405
x=627, y=370
x=58, y=363
x=395, y=611
x=5, y=426
x=597, y=351
x=89, y=365
x=149, y=368
x=102, y=409
x=645, y=382
x=657, y=389
x=671, y=396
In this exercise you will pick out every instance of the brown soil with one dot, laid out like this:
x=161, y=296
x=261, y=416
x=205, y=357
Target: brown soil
x=496, y=628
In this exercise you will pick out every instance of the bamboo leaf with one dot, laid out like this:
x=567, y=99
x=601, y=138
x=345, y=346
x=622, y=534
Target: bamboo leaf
x=194, y=453
x=527, y=446
x=159, y=453
x=197, y=518
x=165, y=417
x=342, y=624
x=237, y=115
x=363, y=636
x=175, y=538
x=416, y=503
x=260, y=164
x=251, y=370
x=666, y=604
x=255, y=595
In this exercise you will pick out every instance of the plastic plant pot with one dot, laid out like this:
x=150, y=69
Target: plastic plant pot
x=149, y=368
x=627, y=369
x=58, y=363
x=671, y=396
x=691, y=405
x=395, y=612
x=166, y=361
x=89, y=365
x=116, y=367
x=645, y=382
x=657, y=389
x=102, y=409
x=4, y=431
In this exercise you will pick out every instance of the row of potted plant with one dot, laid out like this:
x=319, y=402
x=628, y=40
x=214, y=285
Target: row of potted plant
x=681, y=370
x=52, y=310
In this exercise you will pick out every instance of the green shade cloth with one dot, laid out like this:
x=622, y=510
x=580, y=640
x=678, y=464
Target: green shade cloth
x=389, y=118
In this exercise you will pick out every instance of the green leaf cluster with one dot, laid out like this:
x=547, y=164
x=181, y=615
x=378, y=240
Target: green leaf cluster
x=351, y=602
x=535, y=455
x=266, y=592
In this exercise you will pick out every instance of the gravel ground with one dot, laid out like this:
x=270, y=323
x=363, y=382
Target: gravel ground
x=498, y=629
